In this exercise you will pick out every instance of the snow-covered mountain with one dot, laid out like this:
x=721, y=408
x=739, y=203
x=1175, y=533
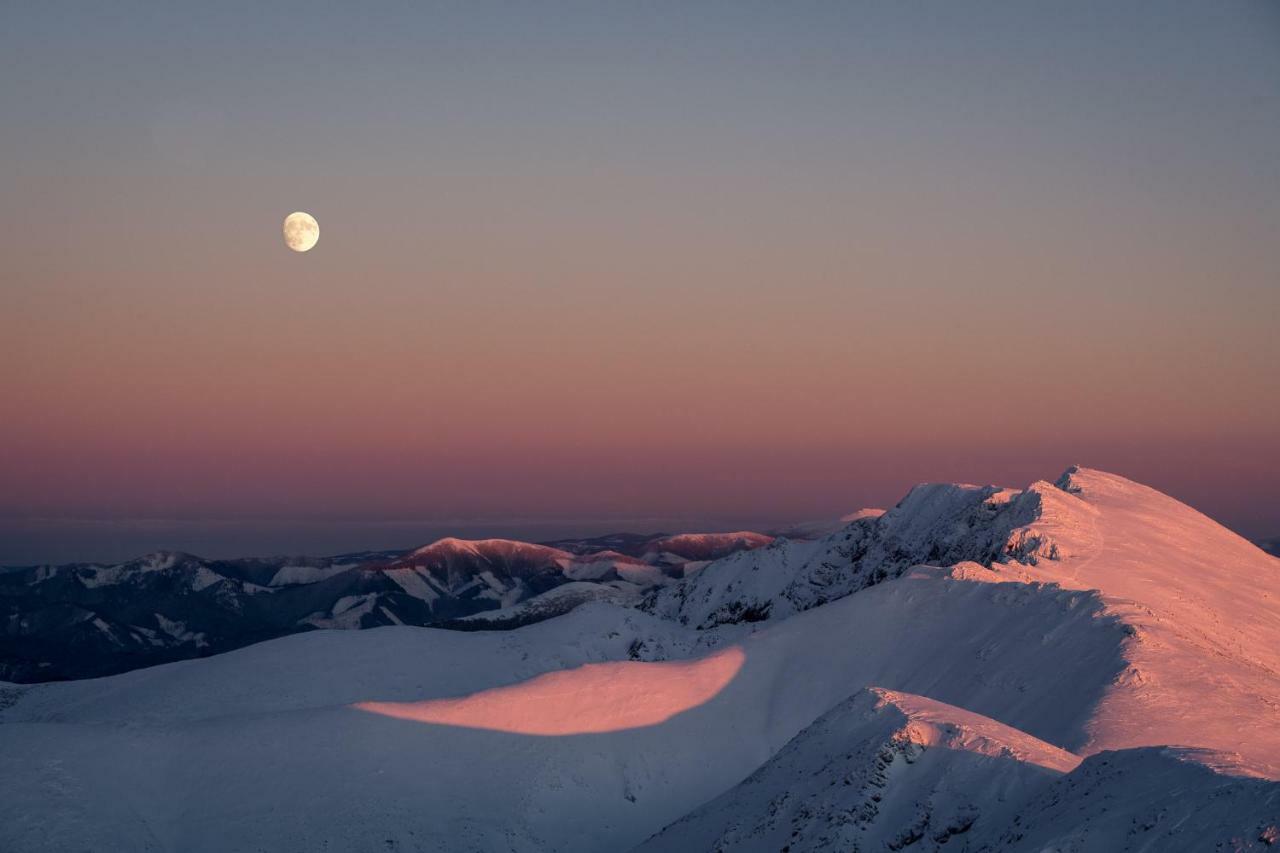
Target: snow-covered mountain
x=85, y=620
x=937, y=524
x=1083, y=665
x=704, y=546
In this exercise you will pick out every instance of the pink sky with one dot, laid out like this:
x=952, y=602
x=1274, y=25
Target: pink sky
x=739, y=267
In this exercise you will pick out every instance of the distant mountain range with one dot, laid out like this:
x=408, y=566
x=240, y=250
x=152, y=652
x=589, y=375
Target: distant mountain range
x=84, y=619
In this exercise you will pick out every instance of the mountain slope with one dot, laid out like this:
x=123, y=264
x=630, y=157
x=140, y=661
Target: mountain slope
x=1200, y=603
x=596, y=729
x=268, y=747
x=1151, y=798
x=705, y=546
x=882, y=770
x=893, y=771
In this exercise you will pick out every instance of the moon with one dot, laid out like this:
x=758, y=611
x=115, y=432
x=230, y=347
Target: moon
x=301, y=231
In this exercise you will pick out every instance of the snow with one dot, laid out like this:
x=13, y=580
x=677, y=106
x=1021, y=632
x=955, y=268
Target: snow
x=694, y=546
x=590, y=699
x=449, y=545
x=920, y=679
x=888, y=770
x=882, y=770
x=205, y=578
x=178, y=631
x=347, y=612
x=937, y=522
x=104, y=628
x=43, y=573
x=92, y=577
x=819, y=529
x=96, y=577
x=270, y=726
x=643, y=575
x=415, y=582
x=160, y=561
x=554, y=602
x=934, y=724
x=1203, y=609
x=602, y=565
x=451, y=548
x=290, y=575
x=1161, y=798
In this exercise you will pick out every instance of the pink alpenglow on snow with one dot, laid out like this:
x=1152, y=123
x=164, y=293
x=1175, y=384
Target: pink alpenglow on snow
x=708, y=546
x=936, y=724
x=590, y=699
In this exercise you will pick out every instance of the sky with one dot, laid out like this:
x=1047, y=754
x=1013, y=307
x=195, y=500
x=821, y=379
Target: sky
x=596, y=265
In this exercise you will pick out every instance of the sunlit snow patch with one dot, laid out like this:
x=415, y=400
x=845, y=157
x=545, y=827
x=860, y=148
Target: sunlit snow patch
x=590, y=699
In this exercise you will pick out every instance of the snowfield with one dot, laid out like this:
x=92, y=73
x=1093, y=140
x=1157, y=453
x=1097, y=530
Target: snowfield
x=1084, y=665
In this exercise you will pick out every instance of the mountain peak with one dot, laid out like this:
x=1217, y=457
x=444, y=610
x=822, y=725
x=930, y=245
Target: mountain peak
x=451, y=546
x=447, y=544
x=707, y=546
x=164, y=559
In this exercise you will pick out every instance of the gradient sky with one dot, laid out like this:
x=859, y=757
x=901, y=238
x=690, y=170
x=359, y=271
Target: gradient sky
x=592, y=265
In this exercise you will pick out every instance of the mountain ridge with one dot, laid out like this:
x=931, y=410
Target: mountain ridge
x=1083, y=676
x=90, y=619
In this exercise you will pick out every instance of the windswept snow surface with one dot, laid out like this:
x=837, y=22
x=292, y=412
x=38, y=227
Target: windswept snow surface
x=893, y=771
x=1201, y=605
x=882, y=770
x=875, y=700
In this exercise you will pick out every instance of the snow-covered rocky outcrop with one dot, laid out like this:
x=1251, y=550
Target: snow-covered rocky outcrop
x=1083, y=665
x=939, y=524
